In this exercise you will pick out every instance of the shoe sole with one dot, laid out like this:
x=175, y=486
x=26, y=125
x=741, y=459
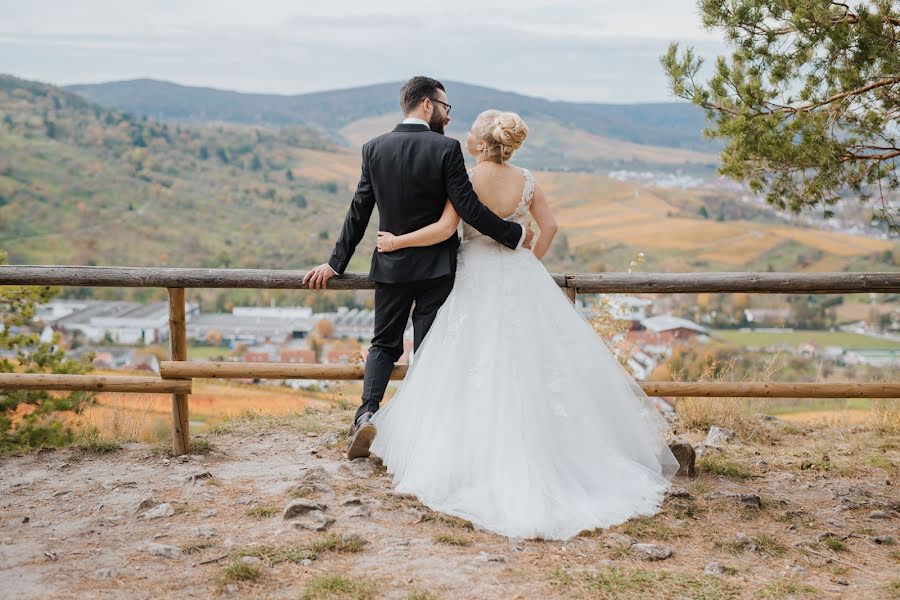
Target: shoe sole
x=362, y=440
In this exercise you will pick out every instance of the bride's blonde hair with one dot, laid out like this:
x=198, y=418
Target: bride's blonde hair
x=501, y=132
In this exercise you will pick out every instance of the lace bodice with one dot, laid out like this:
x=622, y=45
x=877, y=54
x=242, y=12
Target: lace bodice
x=520, y=215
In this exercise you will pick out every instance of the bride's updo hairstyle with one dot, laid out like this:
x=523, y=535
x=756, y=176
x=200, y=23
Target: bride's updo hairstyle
x=501, y=132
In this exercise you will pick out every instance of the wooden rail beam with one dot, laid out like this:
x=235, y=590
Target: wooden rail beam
x=93, y=383
x=752, y=282
x=242, y=370
x=232, y=370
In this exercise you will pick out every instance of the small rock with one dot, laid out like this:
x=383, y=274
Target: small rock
x=879, y=514
x=198, y=476
x=146, y=503
x=887, y=540
x=166, y=462
x=359, y=512
x=163, y=510
x=299, y=507
x=617, y=539
x=828, y=534
x=210, y=513
x=207, y=532
x=106, y=573
x=686, y=457
x=315, y=481
x=314, y=521
x=678, y=492
x=703, y=449
x=172, y=552
x=796, y=569
x=231, y=588
x=306, y=562
x=25, y=519
x=751, y=501
x=183, y=458
x=651, y=551
x=362, y=467
x=251, y=561
x=718, y=436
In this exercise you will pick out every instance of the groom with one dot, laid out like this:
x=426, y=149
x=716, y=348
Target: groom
x=409, y=173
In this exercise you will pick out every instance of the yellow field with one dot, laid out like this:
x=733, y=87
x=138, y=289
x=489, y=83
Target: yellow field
x=597, y=212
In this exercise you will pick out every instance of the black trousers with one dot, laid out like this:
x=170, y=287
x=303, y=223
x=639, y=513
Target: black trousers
x=393, y=302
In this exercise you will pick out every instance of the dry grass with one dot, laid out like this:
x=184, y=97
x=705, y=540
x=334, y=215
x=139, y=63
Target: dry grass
x=339, y=543
x=336, y=587
x=885, y=416
x=451, y=539
x=634, y=583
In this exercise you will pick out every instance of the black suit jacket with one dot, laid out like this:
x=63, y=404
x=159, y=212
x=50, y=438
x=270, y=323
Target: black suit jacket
x=409, y=173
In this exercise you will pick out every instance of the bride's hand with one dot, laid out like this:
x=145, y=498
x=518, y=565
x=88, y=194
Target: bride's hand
x=387, y=241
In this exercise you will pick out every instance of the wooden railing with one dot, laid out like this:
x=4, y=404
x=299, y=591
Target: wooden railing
x=177, y=374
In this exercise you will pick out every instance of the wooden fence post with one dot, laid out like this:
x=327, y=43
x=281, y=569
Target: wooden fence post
x=570, y=289
x=181, y=436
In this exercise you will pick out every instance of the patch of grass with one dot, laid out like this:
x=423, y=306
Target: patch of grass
x=894, y=555
x=199, y=445
x=262, y=512
x=786, y=587
x=716, y=464
x=448, y=520
x=237, y=571
x=620, y=550
x=764, y=543
x=820, y=463
x=451, y=540
x=623, y=583
x=591, y=533
x=649, y=528
x=335, y=587
x=836, y=544
x=95, y=445
x=339, y=543
x=893, y=588
x=561, y=577
x=307, y=420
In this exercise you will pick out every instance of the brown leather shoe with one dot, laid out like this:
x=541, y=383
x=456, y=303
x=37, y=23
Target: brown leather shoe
x=361, y=437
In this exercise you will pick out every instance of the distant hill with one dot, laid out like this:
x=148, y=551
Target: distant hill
x=670, y=124
x=84, y=184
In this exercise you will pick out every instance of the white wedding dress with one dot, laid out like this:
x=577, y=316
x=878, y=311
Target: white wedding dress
x=515, y=415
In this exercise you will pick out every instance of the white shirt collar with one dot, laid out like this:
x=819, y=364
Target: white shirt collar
x=414, y=121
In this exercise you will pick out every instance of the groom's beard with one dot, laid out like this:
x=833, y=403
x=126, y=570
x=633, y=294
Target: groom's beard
x=437, y=123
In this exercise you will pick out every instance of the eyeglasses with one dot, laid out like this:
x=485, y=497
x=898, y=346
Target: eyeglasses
x=442, y=102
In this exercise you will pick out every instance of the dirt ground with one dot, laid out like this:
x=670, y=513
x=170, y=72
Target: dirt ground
x=799, y=511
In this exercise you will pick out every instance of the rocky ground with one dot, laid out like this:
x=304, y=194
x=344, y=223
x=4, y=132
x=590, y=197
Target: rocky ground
x=270, y=509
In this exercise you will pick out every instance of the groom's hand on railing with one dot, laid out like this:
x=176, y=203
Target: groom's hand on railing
x=317, y=278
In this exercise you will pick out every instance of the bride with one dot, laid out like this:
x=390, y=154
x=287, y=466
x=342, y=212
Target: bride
x=514, y=414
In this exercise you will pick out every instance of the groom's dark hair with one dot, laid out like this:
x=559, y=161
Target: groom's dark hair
x=417, y=89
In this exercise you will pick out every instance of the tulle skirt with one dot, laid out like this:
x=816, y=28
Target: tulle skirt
x=516, y=416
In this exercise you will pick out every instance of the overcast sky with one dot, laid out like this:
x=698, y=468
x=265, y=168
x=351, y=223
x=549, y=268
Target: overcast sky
x=599, y=51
